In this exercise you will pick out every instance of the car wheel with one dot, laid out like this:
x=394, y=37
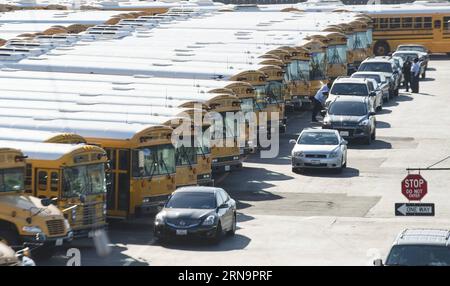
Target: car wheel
x=218, y=235
x=380, y=107
x=374, y=135
x=294, y=170
x=232, y=231
x=368, y=140
x=396, y=92
x=423, y=75
x=9, y=237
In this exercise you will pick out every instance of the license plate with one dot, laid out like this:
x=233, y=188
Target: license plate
x=315, y=162
x=344, y=133
x=181, y=232
x=59, y=242
x=227, y=168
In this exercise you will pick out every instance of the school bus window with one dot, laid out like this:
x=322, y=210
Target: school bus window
x=437, y=24
x=11, y=180
x=427, y=22
x=156, y=160
x=384, y=23
x=418, y=22
x=407, y=22
x=376, y=23
x=111, y=153
x=54, y=181
x=84, y=180
x=124, y=159
x=42, y=180
x=446, y=22
x=395, y=23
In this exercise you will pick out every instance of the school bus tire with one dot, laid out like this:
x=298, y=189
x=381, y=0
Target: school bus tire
x=8, y=234
x=381, y=48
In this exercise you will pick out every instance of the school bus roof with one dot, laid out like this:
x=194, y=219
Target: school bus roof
x=46, y=151
x=38, y=136
x=87, y=129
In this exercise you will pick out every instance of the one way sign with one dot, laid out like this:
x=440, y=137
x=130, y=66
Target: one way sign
x=407, y=209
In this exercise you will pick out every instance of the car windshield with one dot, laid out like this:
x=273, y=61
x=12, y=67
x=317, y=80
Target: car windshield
x=376, y=67
x=12, y=180
x=84, y=180
x=349, y=89
x=318, y=138
x=419, y=255
x=348, y=108
x=412, y=48
x=192, y=200
x=372, y=76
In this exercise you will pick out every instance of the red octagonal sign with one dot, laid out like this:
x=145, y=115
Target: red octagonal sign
x=414, y=187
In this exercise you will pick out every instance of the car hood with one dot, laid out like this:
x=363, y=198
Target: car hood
x=186, y=213
x=345, y=118
x=314, y=148
x=30, y=205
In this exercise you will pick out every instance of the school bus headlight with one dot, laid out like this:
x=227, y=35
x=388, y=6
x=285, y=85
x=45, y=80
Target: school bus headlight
x=235, y=157
x=104, y=209
x=74, y=215
x=146, y=200
x=214, y=160
x=66, y=224
x=32, y=229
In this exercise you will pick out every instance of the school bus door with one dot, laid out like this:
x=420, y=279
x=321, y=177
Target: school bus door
x=47, y=183
x=118, y=190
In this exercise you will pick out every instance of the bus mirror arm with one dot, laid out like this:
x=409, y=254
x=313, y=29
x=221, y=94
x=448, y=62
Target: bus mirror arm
x=69, y=208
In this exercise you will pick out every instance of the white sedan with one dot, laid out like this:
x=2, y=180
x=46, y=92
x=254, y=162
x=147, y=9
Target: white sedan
x=319, y=148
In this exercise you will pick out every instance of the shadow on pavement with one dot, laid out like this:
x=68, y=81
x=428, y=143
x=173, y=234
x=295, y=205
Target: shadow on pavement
x=348, y=172
x=376, y=145
x=228, y=243
x=384, y=110
x=383, y=124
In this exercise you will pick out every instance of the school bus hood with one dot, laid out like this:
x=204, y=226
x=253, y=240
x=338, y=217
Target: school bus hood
x=28, y=204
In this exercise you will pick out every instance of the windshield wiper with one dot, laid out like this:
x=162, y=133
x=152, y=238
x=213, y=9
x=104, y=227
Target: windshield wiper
x=185, y=155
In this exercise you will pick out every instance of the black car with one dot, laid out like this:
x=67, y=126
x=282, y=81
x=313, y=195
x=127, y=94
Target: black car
x=205, y=212
x=353, y=117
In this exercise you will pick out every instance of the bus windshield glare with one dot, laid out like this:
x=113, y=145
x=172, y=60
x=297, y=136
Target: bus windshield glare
x=11, y=180
x=84, y=180
x=337, y=54
x=156, y=160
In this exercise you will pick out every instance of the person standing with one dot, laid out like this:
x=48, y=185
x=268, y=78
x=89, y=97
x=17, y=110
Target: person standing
x=319, y=100
x=415, y=73
x=406, y=73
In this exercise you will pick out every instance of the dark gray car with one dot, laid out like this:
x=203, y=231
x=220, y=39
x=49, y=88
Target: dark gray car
x=206, y=212
x=353, y=117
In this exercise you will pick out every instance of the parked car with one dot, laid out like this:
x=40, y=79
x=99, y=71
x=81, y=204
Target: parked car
x=398, y=66
x=319, y=148
x=356, y=87
x=419, y=247
x=383, y=84
x=206, y=212
x=412, y=55
x=416, y=48
x=384, y=65
x=353, y=117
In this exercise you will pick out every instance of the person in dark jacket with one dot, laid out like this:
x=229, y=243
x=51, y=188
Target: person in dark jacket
x=406, y=73
x=415, y=73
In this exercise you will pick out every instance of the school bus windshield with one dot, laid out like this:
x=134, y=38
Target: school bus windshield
x=337, y=54
x=297, y=70
x=156, y=160
x=84, y=180
x=275, y=91
x=186, y=155
x=317, y=64
x=203, y=142
x=11, y=180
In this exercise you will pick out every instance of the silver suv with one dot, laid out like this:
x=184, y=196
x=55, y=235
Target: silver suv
x=419, y=247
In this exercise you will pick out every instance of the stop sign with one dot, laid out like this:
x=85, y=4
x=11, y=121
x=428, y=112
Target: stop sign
x=414, y=187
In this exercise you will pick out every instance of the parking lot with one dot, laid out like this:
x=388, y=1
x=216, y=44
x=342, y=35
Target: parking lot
x=320, y=217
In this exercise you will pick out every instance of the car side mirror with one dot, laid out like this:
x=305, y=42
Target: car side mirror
x=325, y=93
x=372, y=113
x=378, y=262
x=344, y=142
x=292, y=141
x=372, y=93
x=223, y=206
x=323, y=113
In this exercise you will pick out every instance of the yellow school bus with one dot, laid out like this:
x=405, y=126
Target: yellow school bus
x=428, y=26
x=24, y=218
x=84, y=205
x=74, y=175
x=142, y=160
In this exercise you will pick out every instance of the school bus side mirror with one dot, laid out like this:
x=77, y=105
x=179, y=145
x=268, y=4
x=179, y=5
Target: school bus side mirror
x=46, y=202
